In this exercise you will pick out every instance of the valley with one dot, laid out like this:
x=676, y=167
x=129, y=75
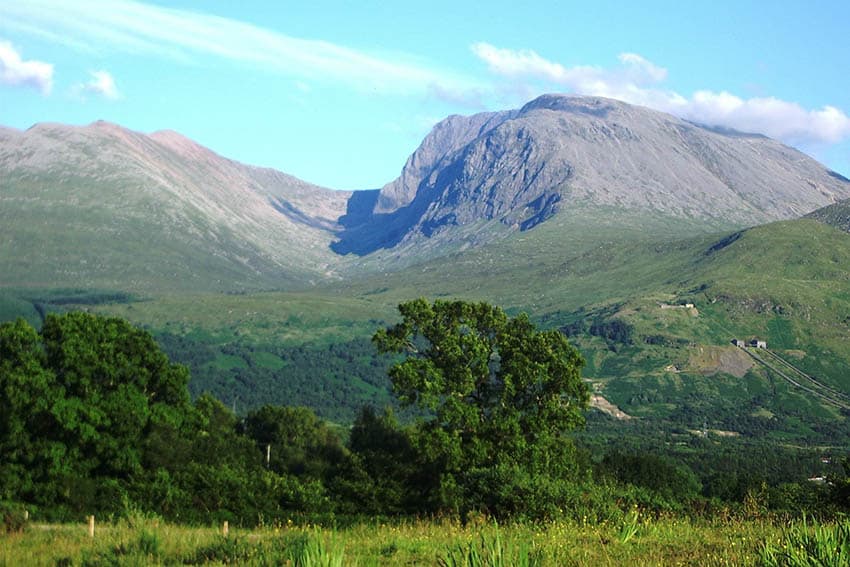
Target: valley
x=270, y=288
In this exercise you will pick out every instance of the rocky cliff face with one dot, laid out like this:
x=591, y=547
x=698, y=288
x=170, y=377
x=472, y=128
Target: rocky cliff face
x=837, y=215
x=446, y=137
x=558, y=152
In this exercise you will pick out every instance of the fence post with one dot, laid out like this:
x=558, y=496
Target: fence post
x=91, y=526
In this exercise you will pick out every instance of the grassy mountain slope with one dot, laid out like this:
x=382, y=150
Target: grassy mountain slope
x=786, y=283
x=616, y=288
x=104, y=207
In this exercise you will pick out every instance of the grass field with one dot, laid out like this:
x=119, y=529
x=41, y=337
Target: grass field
x=636, y=540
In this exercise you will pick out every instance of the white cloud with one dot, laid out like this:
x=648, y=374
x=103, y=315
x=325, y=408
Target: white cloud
x=776, y=118
x=520, y=63
x=101, y=84
x=638, y=81
x=191, y=37
x=16, y=72
x=641, y=69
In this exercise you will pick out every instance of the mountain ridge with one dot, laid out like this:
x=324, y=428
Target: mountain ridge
x=472, y=181
x=92, y=191
x=836, y=214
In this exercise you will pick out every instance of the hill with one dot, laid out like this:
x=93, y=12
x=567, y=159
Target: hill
x=622, y=301
x=476, y=178
x=101, y=206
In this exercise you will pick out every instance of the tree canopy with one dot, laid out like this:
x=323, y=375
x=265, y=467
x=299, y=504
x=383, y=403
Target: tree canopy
x=502, y=394
x=78, y=400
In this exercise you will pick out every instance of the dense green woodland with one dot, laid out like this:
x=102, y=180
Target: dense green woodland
x=95, y=418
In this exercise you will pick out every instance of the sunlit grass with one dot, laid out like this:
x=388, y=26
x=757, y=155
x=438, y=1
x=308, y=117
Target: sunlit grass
x=637, y=539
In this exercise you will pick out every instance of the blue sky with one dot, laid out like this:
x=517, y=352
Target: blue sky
x=340, y=93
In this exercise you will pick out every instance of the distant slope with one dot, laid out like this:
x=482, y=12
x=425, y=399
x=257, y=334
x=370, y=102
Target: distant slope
x=837, y=215
x=618, y=288
x=105, y=207
x=787, y=282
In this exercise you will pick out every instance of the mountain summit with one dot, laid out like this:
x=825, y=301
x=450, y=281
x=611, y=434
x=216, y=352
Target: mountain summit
x=556, y=153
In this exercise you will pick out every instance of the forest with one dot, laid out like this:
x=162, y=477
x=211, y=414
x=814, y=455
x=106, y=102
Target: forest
x=95, y=419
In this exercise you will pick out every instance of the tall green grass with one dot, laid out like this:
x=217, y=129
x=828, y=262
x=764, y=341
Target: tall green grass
x=637, y=539
x=809, y=544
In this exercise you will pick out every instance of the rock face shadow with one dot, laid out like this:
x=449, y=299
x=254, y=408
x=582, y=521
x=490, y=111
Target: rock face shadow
x=363, y=231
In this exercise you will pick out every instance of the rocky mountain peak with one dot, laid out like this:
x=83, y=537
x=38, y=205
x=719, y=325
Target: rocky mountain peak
x=520, y=167
x=593, y=105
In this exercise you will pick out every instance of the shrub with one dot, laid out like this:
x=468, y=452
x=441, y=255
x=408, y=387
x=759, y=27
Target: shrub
x=308, y=550
x=14, y=517
x=226, y=550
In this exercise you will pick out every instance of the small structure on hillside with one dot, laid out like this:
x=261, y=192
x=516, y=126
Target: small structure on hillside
x=758, y=343
x=739, y=343
x=678, y=306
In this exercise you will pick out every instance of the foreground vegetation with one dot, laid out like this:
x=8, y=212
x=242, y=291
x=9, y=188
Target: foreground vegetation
x=637, y=540
x=94, y=419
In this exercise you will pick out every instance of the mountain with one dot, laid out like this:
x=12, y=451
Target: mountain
x=519, y=168
x=837, y=214
x=103, y=206
x=597, y=217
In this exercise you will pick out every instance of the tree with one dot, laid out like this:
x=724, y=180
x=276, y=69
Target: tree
x=501, y=393
x=385, y=474
x=299, y=442
x=77, y=402
x=117, y=384
x=27, y=393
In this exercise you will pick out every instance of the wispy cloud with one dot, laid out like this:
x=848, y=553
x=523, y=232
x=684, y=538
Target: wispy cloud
x=639, y=81
x=16, y=72
x=101, y=84
x=188, y=37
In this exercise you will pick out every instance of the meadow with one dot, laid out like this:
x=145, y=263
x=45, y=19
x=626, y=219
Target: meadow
x=637, y=539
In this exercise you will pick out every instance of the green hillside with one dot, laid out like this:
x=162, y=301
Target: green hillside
x=615, y=284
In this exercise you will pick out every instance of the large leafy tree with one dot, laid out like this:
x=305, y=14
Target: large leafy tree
x=117, y=384
x=27, y=394
x=502, y=395
x=78, y=402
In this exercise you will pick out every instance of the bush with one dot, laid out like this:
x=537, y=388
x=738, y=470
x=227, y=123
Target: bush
x=306, y=550
x=225, y=550
x=145, y=550
x=14, y=516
